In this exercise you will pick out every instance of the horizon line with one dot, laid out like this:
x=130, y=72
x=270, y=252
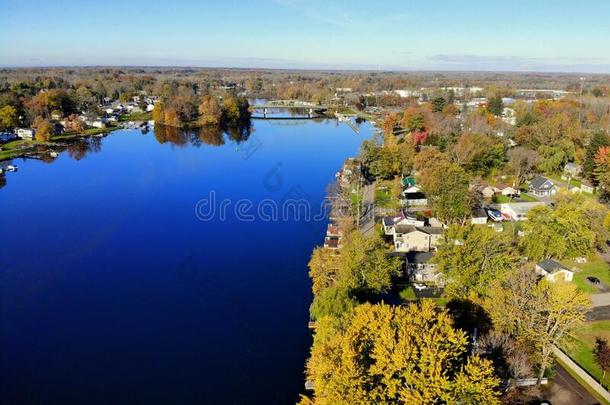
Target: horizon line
x=304, y=69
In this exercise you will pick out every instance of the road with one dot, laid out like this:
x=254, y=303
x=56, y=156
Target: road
x=600, y=300
x=565, y=390
x=599, y=314
x=367, y=218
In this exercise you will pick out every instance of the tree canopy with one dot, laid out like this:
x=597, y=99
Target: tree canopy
x=401, y=355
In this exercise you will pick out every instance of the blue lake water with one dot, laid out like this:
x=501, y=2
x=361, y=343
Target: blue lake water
x=112, y=291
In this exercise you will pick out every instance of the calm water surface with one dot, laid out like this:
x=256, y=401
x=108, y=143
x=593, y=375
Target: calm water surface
x=112, y=291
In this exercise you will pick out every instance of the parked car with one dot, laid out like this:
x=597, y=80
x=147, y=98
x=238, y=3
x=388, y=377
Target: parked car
x=593, y=280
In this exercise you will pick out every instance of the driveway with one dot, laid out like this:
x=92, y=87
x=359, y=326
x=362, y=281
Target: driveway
x=565, y=390
x=600, y=300
x=599, y=314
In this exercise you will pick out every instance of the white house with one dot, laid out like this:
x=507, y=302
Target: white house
x=479, y=217
x=26, y=133
x=518, y=210
x=389, y=223
x=97, y=122
x=553, y=270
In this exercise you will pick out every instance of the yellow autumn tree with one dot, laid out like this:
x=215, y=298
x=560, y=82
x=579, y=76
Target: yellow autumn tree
x=380, y=354
x=210, y=111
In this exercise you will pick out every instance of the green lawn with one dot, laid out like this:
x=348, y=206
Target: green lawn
x=557, y=178
x=596, y=268
x=503, y=199
x=383, y=195
x=408, y=294
x=581, y=351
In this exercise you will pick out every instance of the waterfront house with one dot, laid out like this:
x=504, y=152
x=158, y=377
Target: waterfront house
x=417, y=199
x=540, y=186
x=331, y=242
x=420, y=268
x=26, y=133
x=552, y=270
x=408, y=238
x=389, y=223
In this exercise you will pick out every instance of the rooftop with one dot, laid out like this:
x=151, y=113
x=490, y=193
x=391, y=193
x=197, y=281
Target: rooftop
x=551, y=266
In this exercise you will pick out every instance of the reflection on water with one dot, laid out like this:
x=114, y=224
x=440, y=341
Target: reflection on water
x=214, y=136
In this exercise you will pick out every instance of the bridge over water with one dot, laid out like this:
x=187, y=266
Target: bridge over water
x=269, y=108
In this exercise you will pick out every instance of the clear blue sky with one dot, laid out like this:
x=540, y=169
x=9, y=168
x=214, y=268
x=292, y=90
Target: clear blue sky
x=541, y=35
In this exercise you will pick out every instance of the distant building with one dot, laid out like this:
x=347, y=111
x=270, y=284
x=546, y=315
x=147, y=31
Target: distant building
x=509, y=116
x=25, y=133
x=408, y=93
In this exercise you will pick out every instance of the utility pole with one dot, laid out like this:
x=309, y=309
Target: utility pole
x=582, y=84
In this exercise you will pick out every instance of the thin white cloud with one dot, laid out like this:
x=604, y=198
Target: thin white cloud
x=345, y=16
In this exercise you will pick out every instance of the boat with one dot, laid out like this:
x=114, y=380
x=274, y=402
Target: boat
x=11, y=168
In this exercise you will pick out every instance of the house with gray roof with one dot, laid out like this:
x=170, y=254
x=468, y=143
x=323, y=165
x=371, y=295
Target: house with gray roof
x=553, y=270
x=540, y=186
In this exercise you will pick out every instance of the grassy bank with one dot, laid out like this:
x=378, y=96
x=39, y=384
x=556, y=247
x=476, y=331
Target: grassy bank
x=581, y=350
x=14, y=149
x=594, y=268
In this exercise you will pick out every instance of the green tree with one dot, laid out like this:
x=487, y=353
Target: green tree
x=438, y=104
x=365, y=266
x=333, y=301
x=598, y=140
x=566, y=231
x=323, y=269
x=379, y=354
x=495, y=106
x=446, y=187
x=471, y=257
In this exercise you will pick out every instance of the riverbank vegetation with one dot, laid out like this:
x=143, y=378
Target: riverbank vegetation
x=208, y=110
